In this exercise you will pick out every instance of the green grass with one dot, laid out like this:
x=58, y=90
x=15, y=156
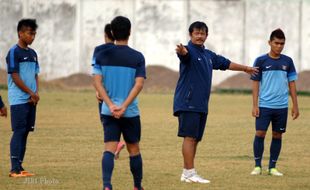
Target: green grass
x=65, y=150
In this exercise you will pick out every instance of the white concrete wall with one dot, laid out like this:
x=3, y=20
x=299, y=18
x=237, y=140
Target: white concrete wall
x=238, y=29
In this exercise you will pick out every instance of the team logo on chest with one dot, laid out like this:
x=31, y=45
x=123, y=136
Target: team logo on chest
x=35, y=58
x=284, y=67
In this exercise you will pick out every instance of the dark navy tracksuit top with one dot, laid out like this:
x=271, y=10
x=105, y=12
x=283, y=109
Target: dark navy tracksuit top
x=194, y=85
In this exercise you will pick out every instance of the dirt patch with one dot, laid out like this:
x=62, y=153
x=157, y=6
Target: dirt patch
x=242, y=82
x=303, y=82
x=160, y=79
x=74, y=82
x=3, y=77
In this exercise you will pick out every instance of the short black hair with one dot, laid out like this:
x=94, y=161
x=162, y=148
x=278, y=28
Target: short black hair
x=121, y=26
x=27, y=23
x=278, y=33
x=198, y=25
x=107, y=31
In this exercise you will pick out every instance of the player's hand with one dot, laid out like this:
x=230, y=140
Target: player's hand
x=120, y=112
x=295, y=112
x=255, y=112
x=98, y=97
x=3, y=112
x=181, y=50
x=34, y=98
x=251, y=70
x=113, y=108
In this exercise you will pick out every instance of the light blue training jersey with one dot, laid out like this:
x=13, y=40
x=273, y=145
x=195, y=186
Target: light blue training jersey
x=25, y=63
x=274, y=76
x=119, y=67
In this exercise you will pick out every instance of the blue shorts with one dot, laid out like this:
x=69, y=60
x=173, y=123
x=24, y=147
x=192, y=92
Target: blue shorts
x=130, y=127
x=277, y=117
x=23, y=117
x=192, y=124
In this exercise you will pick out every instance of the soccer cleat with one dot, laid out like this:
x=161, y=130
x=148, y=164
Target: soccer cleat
x=136, y=188
x=120, y=147
x=16, y=175
x=274, y=172
x=257, y=171
x=195, y=178
x=27, y=174
x=107, y=188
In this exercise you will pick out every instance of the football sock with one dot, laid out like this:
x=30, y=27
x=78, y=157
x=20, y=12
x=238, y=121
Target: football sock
x=23, y=149
x=136, y=169
x=258, y=147
x=107, y=168
x=15, y=149
x=275, y=149
x=189, y=172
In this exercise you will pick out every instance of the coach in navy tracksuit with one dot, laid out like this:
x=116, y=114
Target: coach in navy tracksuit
x=193, y=91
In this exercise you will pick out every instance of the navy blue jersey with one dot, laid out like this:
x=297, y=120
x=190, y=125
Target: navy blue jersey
x=25, y=63
x=274, y=75
x=100, y=48
x=194, y=84
x=119, y=66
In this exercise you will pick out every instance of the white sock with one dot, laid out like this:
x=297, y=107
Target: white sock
x=189, y=172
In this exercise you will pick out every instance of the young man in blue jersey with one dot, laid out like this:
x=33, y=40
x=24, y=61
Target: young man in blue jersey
x=23, y=69
x=118, y=75
x=3, y=110
x=271, y=89
x=109, y=43
x=192, y=93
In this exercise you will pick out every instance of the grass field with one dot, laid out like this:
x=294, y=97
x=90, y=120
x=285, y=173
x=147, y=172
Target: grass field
x=65, y=150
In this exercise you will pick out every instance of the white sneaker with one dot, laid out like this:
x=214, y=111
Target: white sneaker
x=274, y=172
x=257, y=171
x=195, y=178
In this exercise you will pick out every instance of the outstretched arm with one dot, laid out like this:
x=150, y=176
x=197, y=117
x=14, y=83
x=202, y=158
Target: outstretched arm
x=139, y=81
x=247, y=69
x=181, y=50
x=182, y=53
x=295, y=109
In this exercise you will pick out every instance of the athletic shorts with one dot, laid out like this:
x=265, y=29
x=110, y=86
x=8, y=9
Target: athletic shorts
x=192, y=124
x=23, y=117
x=130, y=127
x=277, y=117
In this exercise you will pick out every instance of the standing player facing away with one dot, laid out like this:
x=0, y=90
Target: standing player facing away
x=23, y=69
x=271, y=88
x=118, y=75
x=193, y=91
x=109, y=43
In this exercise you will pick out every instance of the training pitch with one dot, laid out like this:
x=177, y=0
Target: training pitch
x=65, y=150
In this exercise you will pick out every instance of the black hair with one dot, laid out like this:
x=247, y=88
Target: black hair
x=198, y=25
x=278, y=33
x=121, y=26
x=107, y=31
x=27, y=23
